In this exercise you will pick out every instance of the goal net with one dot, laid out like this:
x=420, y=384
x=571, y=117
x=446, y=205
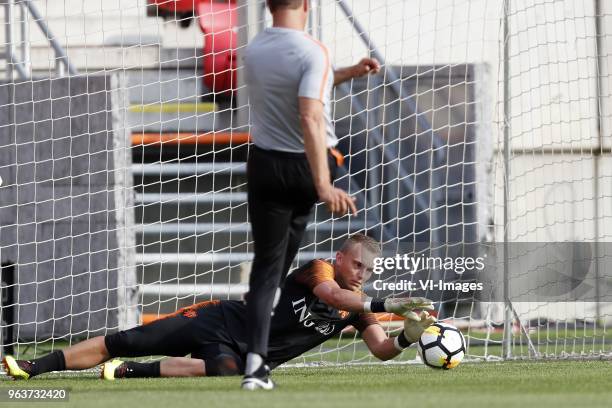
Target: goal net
x=125, y=131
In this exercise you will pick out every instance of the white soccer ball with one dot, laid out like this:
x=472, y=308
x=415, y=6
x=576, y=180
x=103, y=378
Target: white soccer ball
x=441, y=346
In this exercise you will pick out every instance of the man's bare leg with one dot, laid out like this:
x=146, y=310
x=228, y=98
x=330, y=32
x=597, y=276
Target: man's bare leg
x=182, y=367
x=171, y=367
x=221, y=365
x=86, y=354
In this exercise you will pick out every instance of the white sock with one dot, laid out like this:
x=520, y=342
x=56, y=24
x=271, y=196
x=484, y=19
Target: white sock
x=253, y=362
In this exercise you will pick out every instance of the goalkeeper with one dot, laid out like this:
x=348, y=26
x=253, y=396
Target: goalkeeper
x=317, y=302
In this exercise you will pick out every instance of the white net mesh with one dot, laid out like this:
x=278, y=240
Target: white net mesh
x=125, y=131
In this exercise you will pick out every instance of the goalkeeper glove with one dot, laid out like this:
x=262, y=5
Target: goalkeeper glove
x=400, y=306
x=413, y=329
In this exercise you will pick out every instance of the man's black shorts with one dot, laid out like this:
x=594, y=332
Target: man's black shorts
x=199, y=330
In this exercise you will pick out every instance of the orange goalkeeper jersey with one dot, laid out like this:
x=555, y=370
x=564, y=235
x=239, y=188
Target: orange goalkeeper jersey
x=301, y=321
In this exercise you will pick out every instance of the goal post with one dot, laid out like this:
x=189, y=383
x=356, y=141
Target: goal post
x=486, y=135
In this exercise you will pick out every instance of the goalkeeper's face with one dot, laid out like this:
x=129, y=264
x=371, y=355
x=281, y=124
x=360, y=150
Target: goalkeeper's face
x=354, y=266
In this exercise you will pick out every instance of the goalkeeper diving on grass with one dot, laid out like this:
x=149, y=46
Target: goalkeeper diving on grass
x=317, y=301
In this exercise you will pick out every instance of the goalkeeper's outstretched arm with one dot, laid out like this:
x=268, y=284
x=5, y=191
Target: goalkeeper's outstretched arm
x=384, y=347
x=380, y=345
x=343, y=299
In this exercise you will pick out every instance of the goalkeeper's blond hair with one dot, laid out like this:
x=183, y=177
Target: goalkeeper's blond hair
x=365, y=241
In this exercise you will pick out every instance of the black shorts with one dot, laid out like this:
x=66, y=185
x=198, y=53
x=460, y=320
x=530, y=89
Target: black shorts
x=199, y=330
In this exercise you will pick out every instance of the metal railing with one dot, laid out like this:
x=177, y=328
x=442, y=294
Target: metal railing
x=392, y=78
x=390, y=155
x=21, y=63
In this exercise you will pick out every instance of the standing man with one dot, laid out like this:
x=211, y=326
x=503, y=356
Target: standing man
x=292, y=163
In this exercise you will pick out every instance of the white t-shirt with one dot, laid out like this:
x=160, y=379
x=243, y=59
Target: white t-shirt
x=281, y=65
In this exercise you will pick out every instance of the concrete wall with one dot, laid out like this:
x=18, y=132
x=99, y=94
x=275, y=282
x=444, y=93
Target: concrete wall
x=61, y=222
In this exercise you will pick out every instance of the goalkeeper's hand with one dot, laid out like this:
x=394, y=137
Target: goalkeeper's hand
x=413, y=328
x=406, y=306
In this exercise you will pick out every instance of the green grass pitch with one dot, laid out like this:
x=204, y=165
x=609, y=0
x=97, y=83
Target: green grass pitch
x=507, y=384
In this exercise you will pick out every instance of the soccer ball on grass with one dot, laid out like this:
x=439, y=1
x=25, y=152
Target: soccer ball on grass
x=441, y=346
